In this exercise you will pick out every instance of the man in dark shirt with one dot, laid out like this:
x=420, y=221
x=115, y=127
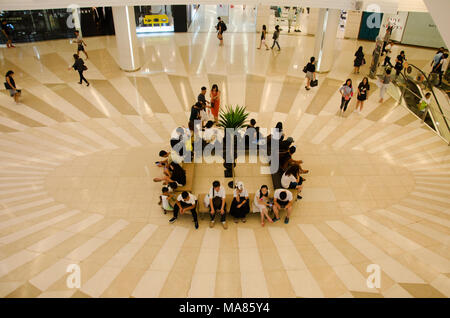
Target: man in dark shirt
x=201, y=97
x=195, y=115
x=7, y=33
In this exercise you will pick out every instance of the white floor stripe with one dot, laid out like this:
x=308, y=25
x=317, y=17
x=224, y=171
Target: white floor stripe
x=390, y=266
x=352, y=133
x=347, y=273
x=423, y=254
x=428, y=205
x=26, y=158
x=12, y=124
x=203, y=281
x=301, y=279
x=303, y=124
x=9, y=210
x=22, y=189
x=83, y=130
x=98, y=283
x=36, y=227
x=426, y=216
x=22, y=197
x=14, y=261
x=49, y=276
x=145, y=129
x=30, y=216
x=391, y=142
x=253, y=281
x=66, y=138
x=326, y=130
x=53, y=146
x=122, y=134
x=51, y=241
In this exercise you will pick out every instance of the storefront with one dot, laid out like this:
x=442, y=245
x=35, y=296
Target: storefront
x=37, y=25
x=156, y=18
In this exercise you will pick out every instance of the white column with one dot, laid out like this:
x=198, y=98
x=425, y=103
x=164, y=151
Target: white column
x=352, y=24
x=327, y=26
x=262, y=17
x=127, y=44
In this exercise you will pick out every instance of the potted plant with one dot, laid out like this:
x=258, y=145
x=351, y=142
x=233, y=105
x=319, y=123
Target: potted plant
x=234, y=118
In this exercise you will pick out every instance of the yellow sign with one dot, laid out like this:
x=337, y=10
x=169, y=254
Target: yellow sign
x=157, y=19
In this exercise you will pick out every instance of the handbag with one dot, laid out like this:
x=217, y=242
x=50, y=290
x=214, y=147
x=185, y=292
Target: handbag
x=305, y=70
x=314, y=83
x=84, y=67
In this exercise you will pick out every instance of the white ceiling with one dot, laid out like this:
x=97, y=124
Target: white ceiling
x=388, y=6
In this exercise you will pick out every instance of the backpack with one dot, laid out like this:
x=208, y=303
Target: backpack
x=224, y=26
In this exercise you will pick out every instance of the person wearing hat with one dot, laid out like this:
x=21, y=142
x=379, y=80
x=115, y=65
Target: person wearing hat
x=240, y=206
x=282, y=199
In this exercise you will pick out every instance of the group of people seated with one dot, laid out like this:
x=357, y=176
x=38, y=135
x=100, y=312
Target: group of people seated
x=174, y=176
x=215, y=202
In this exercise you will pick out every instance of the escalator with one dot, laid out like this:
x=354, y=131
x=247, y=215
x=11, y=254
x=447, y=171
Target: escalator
x=413, y=84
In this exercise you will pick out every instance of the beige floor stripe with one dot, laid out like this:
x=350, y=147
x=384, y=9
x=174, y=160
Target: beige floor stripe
x=146, y=89
x=76, y=99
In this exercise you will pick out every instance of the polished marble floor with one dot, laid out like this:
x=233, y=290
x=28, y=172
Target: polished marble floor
x=76, y=177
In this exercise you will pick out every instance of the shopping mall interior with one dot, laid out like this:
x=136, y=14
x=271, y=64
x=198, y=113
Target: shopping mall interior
x=77, y=162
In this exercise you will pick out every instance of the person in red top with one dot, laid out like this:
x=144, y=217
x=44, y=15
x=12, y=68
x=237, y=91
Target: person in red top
x=215, y=102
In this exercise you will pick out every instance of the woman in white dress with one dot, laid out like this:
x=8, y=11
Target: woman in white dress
x=261, y=204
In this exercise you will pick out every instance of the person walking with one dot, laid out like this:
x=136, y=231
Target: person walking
x=401, y=58
x=80, y=44
x=347, y=92
x=359, y=60
x=388, y=50
x=10, y=85
x=6, y=30
x=310, y=69
x=275, y=37
x=387, y=37
x=384, y=84
x=363, y=89
x=220, y=27
x=80, y=68
x=263, y=37
x=240, y=206
x=215, y=102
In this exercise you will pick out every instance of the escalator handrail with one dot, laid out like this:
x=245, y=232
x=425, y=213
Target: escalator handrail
x=430, y=86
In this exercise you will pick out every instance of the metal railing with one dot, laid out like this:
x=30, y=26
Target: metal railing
x=414, y=84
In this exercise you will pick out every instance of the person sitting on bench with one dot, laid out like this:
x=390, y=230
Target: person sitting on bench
x=291, y=179
x=240, y=205
x=173, y=173
x=168, y=158
x=261, y=203
x=185, y=202
x=286, y=160
x=282, y=200
x=215, y=201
